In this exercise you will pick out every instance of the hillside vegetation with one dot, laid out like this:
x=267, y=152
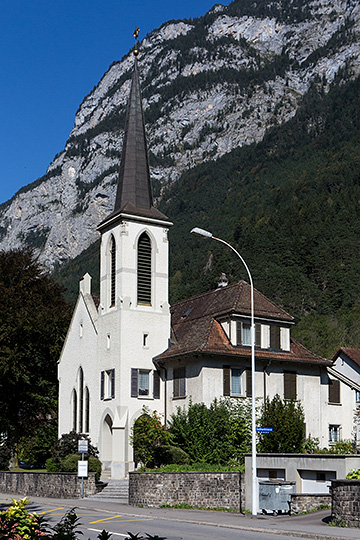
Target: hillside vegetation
x=290, y=205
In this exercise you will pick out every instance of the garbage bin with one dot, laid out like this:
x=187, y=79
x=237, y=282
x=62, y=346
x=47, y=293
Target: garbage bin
x=275, y=495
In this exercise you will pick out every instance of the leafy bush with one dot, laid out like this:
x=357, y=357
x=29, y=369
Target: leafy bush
x=344, y=446
x=36, y=448
x=52, y=466
x=16, y=522
x=148, y=433
x=354, y=474
x=215, y=434
x=167, y=454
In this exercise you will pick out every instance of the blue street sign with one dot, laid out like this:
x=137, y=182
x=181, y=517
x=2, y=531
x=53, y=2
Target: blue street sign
x=264, y=429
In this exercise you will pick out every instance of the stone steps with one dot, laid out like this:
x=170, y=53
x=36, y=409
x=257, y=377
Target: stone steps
x=116, y=490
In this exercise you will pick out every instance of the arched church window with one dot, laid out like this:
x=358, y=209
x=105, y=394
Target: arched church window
x=87, y=410
x=144, y=270
x=81, y=399
x=112, y=270
x=74, y=409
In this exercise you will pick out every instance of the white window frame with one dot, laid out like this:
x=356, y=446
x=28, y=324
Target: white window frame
x=238, y=375
x=334, y=433
x=144, y=376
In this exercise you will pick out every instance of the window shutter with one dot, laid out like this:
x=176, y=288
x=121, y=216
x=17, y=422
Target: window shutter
x=112, y=383
x=182, y=382
x=248, y=383
x=227, y=377
x=238, y=335
x=144, y=270
x=289, y=385
x=258, y=335
x=274, y=337
x=102, y=385
x=112, y=271
x=156, y=387
x=334, y=391
x=134, y=382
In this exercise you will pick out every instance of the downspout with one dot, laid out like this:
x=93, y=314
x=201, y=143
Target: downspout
x=265, y=368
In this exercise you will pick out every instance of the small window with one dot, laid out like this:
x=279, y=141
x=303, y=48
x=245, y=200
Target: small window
x=289, y=385
x=179, y=382
x=320, y=476
x=357, y=396
x=334, y=433
x=108, y=341
x=243, y=330
x=233, y=381
x=145, y=340
x=107, y=384
x=334, y=391
x=236, y=382
x=144, y=383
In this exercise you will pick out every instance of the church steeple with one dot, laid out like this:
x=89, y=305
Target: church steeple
x=134, y=187
x=134, y=193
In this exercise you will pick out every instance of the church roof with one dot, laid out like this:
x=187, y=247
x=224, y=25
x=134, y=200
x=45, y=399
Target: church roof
x=134, y=193
x=196, y=326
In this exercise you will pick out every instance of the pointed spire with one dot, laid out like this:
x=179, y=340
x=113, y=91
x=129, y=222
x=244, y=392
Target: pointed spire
x=134, y=193
x=134, y=185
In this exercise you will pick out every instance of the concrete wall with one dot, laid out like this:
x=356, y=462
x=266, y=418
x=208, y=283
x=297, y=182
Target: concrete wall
x=57, y=485
x=199, y=489
x=346, y=502
x=291, y=467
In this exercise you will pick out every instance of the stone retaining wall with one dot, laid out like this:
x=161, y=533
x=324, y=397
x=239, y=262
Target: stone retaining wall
x=57, y=485
x=307, y=502
x=198, y=489
x=346, y=502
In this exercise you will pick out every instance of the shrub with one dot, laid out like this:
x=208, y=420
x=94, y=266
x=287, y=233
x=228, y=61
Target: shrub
x=167, y=454
x=16, y=522
x=148, y=433
x=345, y=446
x=354, y=474
x=51, y=466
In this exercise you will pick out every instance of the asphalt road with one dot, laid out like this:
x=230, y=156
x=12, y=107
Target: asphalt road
x=179, y=524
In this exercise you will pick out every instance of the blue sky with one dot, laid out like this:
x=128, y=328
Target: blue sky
x=52, y=53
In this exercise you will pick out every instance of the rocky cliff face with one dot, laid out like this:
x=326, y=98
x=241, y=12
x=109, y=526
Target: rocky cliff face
x=209, y=85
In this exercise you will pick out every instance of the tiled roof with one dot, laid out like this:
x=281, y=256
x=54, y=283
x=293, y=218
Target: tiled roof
x=196, y=328
x=353, y=354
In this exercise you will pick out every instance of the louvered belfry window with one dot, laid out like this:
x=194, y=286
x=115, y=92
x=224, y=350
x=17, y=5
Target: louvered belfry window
x=144, y=270
x=112, y=270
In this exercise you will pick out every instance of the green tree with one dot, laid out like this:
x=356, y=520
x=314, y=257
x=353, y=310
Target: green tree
x=148, y=433
x=287, y=420
x=33, y=323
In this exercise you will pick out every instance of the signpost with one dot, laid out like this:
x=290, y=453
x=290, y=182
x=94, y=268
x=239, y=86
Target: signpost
x=82, y=464
x=263, y=430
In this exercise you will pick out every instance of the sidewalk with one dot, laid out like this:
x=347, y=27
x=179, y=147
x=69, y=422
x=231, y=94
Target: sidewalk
x=303, y=526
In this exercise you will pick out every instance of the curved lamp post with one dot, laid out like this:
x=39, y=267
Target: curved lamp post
x=208, y=234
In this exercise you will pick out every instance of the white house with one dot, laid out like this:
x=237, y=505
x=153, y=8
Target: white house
x=121, y=352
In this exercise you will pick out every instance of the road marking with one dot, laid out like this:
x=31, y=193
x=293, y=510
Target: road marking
x=48, y=511
x=105, y=519
x=115, y=534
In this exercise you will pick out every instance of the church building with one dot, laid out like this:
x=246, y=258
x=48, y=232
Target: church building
x=126, y=348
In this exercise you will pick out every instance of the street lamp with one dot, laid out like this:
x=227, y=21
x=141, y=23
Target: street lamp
x=208, y=234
